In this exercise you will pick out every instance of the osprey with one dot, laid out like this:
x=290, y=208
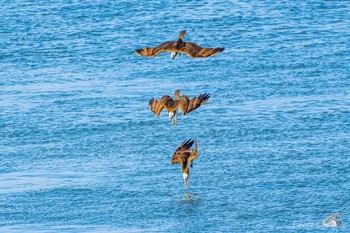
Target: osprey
x=171, y=105
x=178, y=47
x=184, y=156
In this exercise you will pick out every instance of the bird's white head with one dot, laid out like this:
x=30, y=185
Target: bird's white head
x=171, y=115
x=173, y=54
x=186, y=177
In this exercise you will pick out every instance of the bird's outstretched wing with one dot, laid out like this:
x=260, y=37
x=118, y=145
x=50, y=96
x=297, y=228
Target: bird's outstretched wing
x=182, y=152
x=195, y=51
x=152, y=52
x=187, y=105
x=194, y=153
x=157, y=106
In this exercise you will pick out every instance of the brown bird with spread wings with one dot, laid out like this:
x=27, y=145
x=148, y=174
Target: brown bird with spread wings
x=171, y=105
x=184, y=156
x=178, y=47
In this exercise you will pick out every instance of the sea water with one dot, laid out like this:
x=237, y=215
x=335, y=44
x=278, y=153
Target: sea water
x=81, y=152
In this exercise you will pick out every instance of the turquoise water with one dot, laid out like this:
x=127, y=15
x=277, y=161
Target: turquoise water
x=81, y=152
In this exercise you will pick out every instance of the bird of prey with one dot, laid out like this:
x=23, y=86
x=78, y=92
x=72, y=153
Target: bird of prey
x=185, y=157
x=178, y=47
x=171, y=105
x=331, y=221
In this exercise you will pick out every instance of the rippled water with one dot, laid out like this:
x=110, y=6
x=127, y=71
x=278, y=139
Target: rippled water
x=81, y=152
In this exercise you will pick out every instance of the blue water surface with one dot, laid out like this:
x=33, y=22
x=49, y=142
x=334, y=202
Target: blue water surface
x=81, y=152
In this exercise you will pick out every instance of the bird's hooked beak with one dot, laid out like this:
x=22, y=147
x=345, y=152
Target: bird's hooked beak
x=173, y=54
x=186, y=179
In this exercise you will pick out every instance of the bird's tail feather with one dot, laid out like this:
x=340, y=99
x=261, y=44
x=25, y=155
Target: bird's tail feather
x=182, y=34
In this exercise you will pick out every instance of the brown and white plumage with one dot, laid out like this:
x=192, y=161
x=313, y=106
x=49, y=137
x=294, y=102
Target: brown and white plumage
x=183, y=156
x=171, y=105
x=175, y=47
